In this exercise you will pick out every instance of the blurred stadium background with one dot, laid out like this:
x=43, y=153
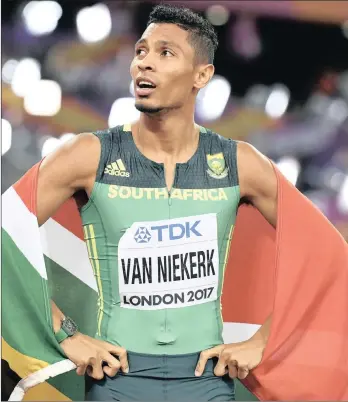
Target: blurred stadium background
x=281, y=83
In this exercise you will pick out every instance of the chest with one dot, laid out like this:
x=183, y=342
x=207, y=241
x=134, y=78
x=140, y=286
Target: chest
x=162, y=239
x=132, y=189
x=118, y=208
x=170, y=245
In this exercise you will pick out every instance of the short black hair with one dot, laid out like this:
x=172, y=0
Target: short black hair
x=202, y=35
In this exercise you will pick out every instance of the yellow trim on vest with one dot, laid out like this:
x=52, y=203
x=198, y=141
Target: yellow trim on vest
x=97, y=274
x=87, y=240
x=228, y=246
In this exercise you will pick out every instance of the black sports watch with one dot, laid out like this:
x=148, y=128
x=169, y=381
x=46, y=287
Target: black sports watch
x=68, y=329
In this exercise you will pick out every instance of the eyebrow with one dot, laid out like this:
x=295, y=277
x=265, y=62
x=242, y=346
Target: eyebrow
x=159, y=42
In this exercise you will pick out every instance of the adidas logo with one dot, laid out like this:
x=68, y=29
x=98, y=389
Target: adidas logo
x=117, y=169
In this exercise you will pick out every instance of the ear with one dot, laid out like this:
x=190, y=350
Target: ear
x=204, y=74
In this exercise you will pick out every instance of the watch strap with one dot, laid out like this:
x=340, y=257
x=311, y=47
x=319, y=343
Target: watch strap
x=61, y=335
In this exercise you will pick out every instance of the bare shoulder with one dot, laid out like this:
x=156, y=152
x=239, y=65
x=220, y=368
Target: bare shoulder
x=74, y=162
x=249, y=157
x=255, y=171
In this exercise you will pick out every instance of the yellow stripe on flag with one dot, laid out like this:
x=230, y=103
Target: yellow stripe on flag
x=44, y=392
x=25, y=365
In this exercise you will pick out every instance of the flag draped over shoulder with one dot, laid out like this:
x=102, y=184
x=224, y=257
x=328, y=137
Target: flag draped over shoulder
x=299, y=271
x=39, y=264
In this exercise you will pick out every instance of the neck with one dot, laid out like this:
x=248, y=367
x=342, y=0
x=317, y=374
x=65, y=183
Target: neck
x=172, y=135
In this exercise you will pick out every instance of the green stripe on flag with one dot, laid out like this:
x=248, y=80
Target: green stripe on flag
x=242, y=394
x=74, y=297
x=26, y=312
x=70, y=384
x=79, y=302
x=28, y=320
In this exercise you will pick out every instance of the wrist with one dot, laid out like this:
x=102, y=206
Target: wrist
x=69, y=339
x=67, y=329
x=259, y=338
x=263, y=333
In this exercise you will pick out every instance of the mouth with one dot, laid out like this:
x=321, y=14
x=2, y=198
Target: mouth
x=144, y=87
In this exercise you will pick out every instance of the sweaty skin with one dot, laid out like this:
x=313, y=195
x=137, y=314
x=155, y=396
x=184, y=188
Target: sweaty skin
x=165, y=133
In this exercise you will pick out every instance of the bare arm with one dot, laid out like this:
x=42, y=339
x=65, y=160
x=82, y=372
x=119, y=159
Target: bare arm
x=258, y=183
x=61, y=174
x=70, y=168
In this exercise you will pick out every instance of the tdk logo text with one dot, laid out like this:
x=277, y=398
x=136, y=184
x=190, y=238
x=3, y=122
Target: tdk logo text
x=176, y=231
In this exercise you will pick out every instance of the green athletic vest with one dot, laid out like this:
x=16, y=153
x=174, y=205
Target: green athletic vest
x=159, y=257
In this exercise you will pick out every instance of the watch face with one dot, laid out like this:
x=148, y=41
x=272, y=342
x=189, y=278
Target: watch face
x=69, y=327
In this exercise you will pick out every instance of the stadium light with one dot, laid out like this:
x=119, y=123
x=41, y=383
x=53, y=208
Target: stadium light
x=44, y=98
x=50, y=144
x=213, y=99
x=278, y=101
x=123, y=111
x=41, y=17
x=8, y=70
x=217, y=14
x=94, y=23
x=26, y=74
x=342, y=200
x=6, y=136
x=290, y=167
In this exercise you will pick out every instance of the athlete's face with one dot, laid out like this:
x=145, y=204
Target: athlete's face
x=164, y=58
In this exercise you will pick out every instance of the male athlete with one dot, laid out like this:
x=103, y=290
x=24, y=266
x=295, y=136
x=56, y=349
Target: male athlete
x=158, y=201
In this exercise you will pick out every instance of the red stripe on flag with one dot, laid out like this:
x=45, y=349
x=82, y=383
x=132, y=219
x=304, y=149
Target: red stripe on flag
x=67, y=215
x=25, y=187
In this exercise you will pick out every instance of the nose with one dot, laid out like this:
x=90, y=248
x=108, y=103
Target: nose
x=146, y=63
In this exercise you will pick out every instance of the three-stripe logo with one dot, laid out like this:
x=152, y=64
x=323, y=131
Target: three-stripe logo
x=117, y=169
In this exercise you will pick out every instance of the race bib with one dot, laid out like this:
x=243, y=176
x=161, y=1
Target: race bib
x=169, y=263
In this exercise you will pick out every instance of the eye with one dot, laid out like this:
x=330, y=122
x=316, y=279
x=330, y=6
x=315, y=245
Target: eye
x=166, y=53
x=138, y=52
